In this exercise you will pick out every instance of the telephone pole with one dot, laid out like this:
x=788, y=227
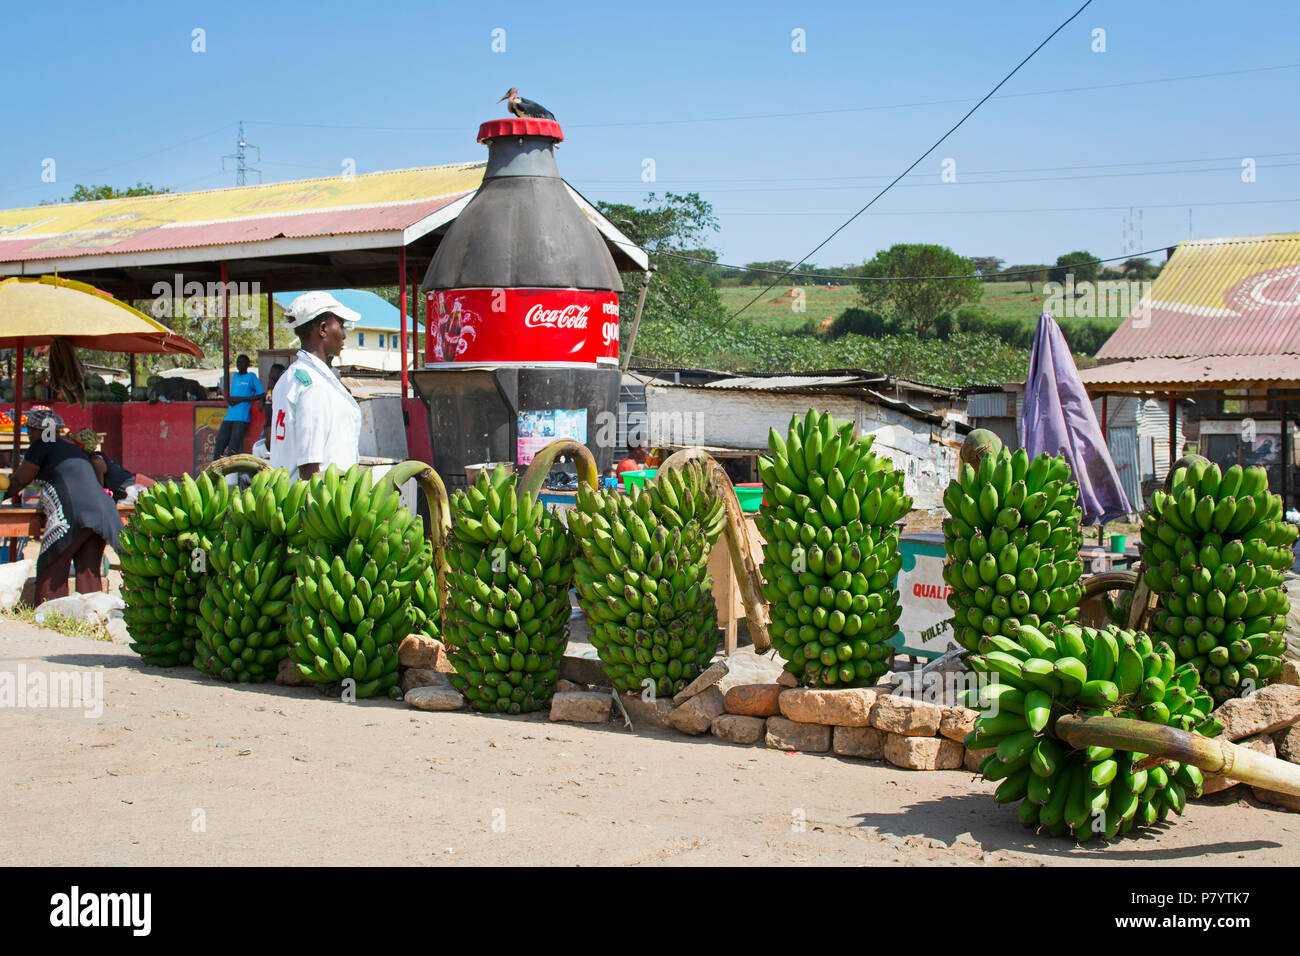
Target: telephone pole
x=241, y=167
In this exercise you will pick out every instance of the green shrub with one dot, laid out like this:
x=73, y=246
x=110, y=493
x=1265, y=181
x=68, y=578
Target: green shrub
x=856, y=321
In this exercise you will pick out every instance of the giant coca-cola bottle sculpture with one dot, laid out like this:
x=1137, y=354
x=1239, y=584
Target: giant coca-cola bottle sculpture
x=522, y=305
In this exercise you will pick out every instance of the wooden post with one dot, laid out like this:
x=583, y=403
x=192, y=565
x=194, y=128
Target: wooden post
x=636, y=321
x=1173, y=433
x=1284, y=490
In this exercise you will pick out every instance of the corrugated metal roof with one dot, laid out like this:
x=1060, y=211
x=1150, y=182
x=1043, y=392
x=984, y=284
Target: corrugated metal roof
x=372, y=202
x=1235, y=296
x=997, y=404
x=793, y=383
x=1122, y=443
x=1196, y=373
x=852, y=385
x=162, y=229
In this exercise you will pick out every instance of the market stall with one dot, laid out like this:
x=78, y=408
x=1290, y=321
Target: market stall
x=243, y=246
x=42, y=310
x=45, y=310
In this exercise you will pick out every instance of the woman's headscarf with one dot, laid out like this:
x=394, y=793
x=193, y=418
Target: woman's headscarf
x=40, y=421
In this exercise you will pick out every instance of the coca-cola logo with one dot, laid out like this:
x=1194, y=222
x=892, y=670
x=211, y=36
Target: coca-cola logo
x=1268, y=291
x=570, y=317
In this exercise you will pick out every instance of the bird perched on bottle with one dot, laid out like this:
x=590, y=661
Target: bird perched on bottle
x=527, y=108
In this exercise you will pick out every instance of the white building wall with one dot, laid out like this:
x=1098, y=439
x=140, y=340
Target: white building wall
x=388, y=359
x=925, y=452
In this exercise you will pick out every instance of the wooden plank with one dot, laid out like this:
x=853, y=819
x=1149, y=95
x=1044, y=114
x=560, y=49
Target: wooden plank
x=30, y=522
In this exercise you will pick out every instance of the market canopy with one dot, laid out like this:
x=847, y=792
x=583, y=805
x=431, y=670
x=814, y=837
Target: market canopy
x=1223, y=314
x=35, y=311
x=349, y=230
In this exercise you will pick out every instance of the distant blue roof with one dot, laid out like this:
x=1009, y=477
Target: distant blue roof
x=376, y=312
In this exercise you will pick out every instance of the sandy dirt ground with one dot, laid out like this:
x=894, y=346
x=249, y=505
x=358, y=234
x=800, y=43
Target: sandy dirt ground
x=180, y=769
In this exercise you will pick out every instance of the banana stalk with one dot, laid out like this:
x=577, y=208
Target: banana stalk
x=1143, y=600
x=237, y=464
x=1216, y=756
x=748, y=575
x=535, y=475
x=435, y=493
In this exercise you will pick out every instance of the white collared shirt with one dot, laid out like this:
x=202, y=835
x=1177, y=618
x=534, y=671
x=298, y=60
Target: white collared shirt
x=314, y=419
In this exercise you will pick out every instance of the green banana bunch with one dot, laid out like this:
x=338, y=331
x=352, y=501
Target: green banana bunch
x=363, y=567
x=511, y=566
x=163, y=550
x=831, y=557
x=246, y=603
x=1012, y=539
x=1216, y=548
x=642, y=578
x=1036, y=677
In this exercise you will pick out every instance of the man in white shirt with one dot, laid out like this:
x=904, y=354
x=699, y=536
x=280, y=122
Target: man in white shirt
x=316, y=421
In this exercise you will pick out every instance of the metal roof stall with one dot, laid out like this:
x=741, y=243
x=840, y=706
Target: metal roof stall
x=362, y=230
x=1222, y=320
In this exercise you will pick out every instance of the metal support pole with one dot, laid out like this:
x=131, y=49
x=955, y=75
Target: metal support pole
x=1103, y=416
x=18, y=403
x=415, y=319
x=424, y=346
x=225, y=330
x=636, y=321
x=132, y=371
x=270, y=316
x=401, y=281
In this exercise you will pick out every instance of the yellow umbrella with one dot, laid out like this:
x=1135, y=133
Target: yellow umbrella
x=38, y=309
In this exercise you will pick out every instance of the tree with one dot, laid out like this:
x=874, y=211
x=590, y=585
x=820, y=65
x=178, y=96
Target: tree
x=672, y=230
x=1081, y=265
x=987, y=266
x=908, y=297
x=1031, y=273
x=1136, y=268
x=762, y=273
x=82, y=193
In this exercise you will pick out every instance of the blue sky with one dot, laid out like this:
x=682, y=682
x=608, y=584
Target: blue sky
x=114, y=93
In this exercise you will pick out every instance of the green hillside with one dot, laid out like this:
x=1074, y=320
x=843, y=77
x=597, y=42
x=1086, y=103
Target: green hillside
x=786, y=330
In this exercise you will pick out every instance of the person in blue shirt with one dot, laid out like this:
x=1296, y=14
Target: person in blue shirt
x=244, y=390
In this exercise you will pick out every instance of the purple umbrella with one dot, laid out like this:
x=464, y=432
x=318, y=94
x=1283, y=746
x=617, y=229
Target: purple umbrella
x=1058, y=419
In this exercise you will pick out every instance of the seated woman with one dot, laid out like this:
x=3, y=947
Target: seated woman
x=122, y=483
x=80, y=518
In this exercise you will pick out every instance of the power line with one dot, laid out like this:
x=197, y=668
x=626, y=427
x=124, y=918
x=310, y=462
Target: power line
x=976, y=172
x=970, y=182
x=851, y=278
x=156, y=152
x=915, y=163
x=1036, y=209
x=948, y=102
x=797, y=113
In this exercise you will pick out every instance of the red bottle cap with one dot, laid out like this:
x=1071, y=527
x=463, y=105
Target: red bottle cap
x=520, y=126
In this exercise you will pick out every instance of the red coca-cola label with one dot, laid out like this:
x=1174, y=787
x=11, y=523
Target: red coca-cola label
x=523, y=325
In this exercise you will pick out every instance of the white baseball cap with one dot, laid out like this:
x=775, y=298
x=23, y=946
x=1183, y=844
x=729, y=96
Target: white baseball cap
x=312, y=305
